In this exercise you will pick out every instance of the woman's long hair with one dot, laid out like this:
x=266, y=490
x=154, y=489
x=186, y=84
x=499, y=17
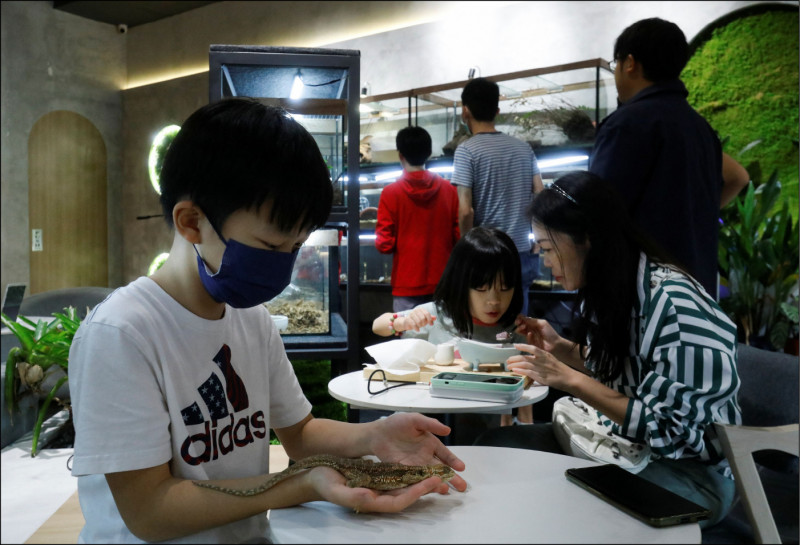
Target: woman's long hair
x=587, y=209
x=477, y=259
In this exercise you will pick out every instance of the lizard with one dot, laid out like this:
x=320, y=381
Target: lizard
x=358, y=471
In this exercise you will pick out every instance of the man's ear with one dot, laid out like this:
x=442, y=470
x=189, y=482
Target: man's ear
x=186, y=216
x=631, y=66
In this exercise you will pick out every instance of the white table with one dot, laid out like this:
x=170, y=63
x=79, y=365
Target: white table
x=513, y=496
x=33, y=488
x=352, y=389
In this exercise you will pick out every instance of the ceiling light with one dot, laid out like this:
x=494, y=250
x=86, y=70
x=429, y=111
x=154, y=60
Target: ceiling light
x=297, y=87
x=562, y=161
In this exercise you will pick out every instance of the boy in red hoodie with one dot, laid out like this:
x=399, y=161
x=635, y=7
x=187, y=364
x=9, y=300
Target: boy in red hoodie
x=417, y=222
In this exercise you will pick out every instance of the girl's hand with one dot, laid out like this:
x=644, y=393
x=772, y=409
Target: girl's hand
x=330, y=485
x=543, y=367
x=416, y=319
x=539, y=333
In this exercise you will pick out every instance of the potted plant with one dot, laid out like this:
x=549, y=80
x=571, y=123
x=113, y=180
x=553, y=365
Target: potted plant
x=792, y=313
x=38, y=366
x=758, y=259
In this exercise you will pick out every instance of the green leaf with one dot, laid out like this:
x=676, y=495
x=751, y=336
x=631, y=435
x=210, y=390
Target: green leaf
x=22, y=333
x=37, y=428
x=778, y=334
x=10, y=383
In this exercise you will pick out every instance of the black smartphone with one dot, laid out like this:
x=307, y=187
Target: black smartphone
x=648, y=502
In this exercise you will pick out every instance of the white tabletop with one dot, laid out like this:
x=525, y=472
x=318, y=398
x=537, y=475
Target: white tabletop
x=513, y=496
x=33, y=488
x=352, y=388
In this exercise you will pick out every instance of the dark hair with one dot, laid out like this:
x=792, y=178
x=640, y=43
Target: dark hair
x=238, y=153
x=415, y=145
x=587, y=209
x=481, y=96
x=476, y=260
x=660, y=46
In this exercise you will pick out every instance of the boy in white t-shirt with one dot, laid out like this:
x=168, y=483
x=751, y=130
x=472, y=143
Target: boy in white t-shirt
x=180, y=376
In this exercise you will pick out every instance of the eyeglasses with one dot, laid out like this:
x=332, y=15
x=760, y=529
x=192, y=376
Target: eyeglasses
x=613, y=65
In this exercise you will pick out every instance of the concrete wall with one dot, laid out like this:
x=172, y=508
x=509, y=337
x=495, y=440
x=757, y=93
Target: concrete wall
x=52, y=60
x=161, y=70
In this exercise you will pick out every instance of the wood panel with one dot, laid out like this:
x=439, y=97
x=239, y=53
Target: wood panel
x=67, y=200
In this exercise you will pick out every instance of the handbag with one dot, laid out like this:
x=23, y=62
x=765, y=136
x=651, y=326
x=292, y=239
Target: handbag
x=580, y=432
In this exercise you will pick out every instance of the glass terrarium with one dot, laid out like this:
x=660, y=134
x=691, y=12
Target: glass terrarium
x=305, y=301
x=555, y=109
x=319, y=89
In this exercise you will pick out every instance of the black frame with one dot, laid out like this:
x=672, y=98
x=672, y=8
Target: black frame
x=341, y=344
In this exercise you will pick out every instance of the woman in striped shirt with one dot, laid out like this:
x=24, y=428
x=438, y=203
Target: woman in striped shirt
x=654, y=353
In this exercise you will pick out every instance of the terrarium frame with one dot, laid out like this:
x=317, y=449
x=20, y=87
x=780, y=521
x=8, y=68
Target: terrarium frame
x=267, y=74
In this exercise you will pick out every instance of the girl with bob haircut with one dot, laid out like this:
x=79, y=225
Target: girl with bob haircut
x=653, y=353
x=478, y=296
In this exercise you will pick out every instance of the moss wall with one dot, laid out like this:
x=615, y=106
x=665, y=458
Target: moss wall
x=744, y=81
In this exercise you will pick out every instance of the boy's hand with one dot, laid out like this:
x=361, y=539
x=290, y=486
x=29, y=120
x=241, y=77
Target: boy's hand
x=330, y=485
x=408, y=438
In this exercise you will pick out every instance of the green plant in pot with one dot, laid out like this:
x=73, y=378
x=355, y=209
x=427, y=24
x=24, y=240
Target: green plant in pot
x=758, y=259
x=41, y=358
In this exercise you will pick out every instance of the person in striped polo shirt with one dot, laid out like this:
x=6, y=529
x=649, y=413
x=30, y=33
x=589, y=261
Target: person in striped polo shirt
x=496, y=176
x=653, y=352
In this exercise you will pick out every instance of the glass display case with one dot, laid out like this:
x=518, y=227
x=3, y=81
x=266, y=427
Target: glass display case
x=306, y=301
x=319, y=89
x=555, y=109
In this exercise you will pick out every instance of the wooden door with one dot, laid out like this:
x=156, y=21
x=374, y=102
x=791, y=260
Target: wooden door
x=67, y=201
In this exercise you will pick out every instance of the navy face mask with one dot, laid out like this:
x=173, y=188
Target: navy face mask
x=247, y=276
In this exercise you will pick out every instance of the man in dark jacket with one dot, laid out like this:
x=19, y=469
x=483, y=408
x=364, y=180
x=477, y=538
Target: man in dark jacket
x=664, y=157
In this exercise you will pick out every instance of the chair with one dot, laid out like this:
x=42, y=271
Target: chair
x=763, y=451
x=739, y=443
x=48, y=302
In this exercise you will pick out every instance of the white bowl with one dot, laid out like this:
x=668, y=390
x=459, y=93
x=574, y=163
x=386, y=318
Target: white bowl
x=476, y=353
x=281, y=322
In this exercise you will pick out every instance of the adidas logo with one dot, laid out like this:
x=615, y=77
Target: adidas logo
x=215, y=441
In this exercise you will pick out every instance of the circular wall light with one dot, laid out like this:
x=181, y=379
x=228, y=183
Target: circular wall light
x=157, y=152
x=157, y=262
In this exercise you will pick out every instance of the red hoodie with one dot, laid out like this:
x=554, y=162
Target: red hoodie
x=418, y=223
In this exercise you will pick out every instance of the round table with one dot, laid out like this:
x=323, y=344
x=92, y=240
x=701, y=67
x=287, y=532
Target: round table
x=513, y=496
x=352, y=389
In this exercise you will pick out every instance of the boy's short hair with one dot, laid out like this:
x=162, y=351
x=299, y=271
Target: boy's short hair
x=660, y=46
x=415, y=145
x=482, y=97
x=237, y=153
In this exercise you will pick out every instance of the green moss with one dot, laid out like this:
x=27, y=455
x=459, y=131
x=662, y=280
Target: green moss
x=743, y=80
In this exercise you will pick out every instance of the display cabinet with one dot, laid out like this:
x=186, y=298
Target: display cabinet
x=318, y=88
x=556, y=109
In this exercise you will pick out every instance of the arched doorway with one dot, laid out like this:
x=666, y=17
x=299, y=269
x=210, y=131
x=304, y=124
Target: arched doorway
x=67, y=177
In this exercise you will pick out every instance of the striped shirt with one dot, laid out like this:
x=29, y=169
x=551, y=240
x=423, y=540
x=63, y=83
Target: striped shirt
x=681, y=376
x=500, y=169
